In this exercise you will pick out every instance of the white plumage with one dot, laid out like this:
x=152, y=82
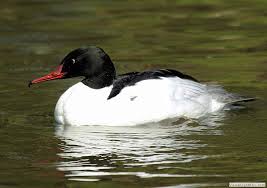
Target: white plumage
x=147, y=101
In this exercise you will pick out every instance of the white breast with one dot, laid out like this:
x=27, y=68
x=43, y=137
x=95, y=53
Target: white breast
x=147, y=101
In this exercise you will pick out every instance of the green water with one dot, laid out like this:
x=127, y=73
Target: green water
x=220, y=41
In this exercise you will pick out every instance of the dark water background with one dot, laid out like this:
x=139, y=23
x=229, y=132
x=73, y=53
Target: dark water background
x=221, y=41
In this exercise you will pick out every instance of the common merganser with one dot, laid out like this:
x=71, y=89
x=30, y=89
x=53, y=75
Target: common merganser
x=102, y=98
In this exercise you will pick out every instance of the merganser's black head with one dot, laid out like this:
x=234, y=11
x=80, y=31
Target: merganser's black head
x=92, y=63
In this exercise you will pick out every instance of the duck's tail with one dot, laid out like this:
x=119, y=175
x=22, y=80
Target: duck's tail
x=242, y=99
x=222, y=96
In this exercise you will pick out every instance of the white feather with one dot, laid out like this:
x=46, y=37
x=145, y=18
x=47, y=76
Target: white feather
x=150, y=100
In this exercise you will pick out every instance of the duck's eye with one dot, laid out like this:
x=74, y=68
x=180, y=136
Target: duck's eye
x=73, y=61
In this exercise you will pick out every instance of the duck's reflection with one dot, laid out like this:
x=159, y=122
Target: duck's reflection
x=92, y=151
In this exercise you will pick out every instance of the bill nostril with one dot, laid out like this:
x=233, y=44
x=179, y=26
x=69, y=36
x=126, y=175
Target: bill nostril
x=55, y=74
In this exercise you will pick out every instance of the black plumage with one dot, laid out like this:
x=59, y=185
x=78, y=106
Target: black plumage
x=130, y=79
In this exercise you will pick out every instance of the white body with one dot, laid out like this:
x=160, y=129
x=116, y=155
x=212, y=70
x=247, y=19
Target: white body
x=147, y=101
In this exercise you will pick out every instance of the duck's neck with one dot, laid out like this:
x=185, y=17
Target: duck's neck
x=97, y=82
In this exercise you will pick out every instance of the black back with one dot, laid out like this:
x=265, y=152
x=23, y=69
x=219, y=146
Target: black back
x=130, y=79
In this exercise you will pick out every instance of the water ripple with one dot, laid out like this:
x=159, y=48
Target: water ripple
x=95, y=151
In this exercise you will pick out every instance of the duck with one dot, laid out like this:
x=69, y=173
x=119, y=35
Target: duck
x=104, y=98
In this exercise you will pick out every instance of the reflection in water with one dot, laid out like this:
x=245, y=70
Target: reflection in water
x=93, y=151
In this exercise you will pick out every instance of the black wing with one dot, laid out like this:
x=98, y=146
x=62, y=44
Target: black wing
x=130, y=79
